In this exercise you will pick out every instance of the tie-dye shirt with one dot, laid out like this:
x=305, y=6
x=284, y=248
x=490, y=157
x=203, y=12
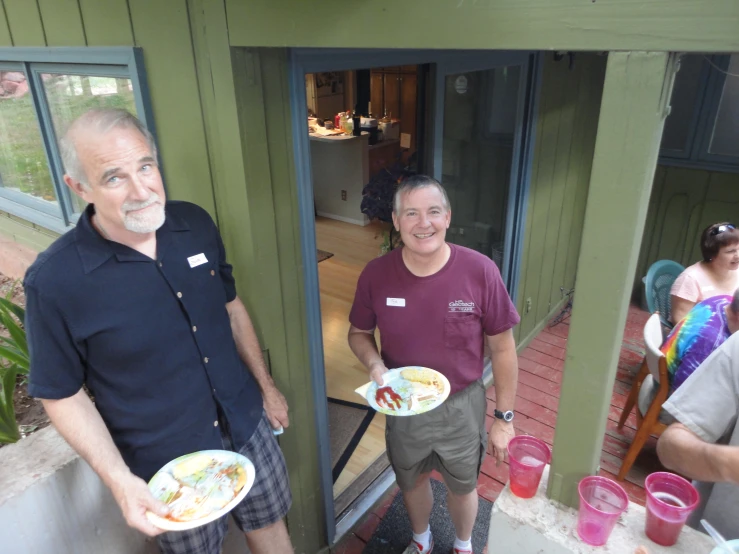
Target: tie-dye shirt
x=695, y=336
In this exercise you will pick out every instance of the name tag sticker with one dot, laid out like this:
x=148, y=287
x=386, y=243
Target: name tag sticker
x=400, y=302
x=197, y=259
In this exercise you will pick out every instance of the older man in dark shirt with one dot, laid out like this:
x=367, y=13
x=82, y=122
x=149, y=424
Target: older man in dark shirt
x=138, y=303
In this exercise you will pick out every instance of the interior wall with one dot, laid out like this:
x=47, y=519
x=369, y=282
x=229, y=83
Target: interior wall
x=563, y=156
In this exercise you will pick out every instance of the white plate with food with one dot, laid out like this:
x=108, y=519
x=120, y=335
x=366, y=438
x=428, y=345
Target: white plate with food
x=200, y=487
x=407, y=391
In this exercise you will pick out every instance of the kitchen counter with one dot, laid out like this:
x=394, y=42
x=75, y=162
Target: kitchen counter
x=340, y=169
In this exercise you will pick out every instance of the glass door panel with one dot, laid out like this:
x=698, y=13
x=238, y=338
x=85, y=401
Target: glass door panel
x=477, y=151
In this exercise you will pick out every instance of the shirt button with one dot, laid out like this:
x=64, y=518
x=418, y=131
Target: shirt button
x=215, y=423
x=179, y=295
x=212, y=272
x=160, y=264
x=205, y=360
x=194, y=328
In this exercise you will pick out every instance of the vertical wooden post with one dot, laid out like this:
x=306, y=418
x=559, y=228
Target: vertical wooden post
x=634, y=105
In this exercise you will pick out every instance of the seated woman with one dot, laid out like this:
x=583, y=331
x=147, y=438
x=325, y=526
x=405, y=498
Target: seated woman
x=716, y=274
x=702, y=331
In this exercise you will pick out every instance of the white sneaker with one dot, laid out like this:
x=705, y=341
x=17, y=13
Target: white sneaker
x=415, y=548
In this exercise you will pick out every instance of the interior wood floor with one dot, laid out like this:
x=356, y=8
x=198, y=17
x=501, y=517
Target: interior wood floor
x=353, y=246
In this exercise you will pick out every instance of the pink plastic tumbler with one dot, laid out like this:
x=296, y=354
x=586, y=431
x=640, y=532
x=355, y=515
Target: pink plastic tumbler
x=602, y=502
x=527, y=457
x=670, y=500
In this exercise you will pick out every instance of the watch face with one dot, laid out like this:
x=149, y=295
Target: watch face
x=508, y=416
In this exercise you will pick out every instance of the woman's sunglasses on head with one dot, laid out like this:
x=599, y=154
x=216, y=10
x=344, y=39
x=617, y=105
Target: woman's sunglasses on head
x=721, y=229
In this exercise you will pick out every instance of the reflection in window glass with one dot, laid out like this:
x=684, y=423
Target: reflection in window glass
x=480, y=110
x=725, y=137
x=676, y=134
x=23, y=164
x=71, y=95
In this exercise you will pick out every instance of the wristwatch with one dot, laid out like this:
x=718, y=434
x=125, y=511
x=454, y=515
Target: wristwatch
x=505, y=416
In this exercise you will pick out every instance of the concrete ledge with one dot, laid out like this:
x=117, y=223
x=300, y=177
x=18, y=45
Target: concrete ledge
x=52, y=501
x=537, y=525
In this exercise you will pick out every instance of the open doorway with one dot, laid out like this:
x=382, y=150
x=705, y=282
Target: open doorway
x=465, y=118
x=363, y=128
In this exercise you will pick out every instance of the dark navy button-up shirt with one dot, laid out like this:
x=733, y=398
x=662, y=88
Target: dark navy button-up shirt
x=151, y=338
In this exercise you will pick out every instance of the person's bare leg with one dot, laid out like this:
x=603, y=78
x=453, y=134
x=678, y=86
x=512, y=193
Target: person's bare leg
x=270, y=540
x=463, y=509
x=419, y=501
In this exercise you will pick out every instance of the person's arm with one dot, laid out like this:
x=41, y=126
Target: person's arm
x=682, y=451
x=78, y=421
x=250, y=352
x=364, y=346
x=679, y=308
x=505, y=372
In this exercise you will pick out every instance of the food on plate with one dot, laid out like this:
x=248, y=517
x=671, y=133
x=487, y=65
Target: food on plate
x=198, y=486
x=191, y=465
x=425, y=377
x=387, y=398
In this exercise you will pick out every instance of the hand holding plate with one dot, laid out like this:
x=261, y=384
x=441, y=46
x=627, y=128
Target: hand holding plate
x=135, y=499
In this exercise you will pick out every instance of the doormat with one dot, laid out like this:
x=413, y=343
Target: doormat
x=394, y=533
x=323, y=255
x=347, y=423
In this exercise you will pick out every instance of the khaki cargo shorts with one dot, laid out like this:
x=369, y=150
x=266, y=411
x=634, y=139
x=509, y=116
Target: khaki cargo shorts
x=450, y=439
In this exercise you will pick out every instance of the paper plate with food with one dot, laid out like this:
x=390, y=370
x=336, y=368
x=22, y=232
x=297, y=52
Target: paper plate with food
x=200, y=487
x=407, y=391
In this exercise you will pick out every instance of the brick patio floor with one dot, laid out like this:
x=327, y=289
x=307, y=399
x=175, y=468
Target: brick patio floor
x=540, y=376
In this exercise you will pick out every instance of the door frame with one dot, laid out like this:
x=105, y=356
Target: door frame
x=312, y=60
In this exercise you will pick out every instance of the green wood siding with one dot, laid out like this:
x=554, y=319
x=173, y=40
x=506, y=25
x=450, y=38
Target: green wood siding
x=211, y=106
x=107, y=22
x=62, y=22
x=683, y=203
x=5, y=38
x=24, y=20
x=663, y=25
x=566, y=127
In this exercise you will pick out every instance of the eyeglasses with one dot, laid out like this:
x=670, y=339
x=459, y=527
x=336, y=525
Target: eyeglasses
x=721, y=229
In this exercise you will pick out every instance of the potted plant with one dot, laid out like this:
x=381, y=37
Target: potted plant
x=378, y=195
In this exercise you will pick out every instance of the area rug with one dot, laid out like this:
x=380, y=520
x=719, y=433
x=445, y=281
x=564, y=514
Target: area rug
x=347, y=423
x=323, y=255
x=393, y=534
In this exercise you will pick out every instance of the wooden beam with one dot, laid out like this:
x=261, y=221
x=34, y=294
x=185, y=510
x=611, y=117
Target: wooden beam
x=632, y=113
x=596, y=25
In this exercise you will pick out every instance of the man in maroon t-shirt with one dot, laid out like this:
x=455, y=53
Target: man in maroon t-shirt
x=435, y=305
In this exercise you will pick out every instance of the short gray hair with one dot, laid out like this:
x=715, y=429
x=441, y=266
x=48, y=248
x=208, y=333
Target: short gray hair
x=415, y=182
x=101, y=120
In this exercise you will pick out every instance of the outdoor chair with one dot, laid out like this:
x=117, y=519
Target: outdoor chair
x=657, y=285
x=652, y=374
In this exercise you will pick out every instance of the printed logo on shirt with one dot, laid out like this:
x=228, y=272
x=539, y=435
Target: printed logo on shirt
x=197, y=259
x=461, y=306
x=399, y=302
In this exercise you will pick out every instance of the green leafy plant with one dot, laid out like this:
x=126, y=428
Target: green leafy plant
x=14, y=361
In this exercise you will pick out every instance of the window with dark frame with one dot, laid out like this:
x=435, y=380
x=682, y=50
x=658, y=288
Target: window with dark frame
x=40, y=94
x=702, y=130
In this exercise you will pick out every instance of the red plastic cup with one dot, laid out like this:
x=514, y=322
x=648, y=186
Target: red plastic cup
x=670, y=500
x=527, y=457
x=602, y=501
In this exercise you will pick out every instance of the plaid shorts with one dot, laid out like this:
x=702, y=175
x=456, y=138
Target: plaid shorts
x=266, y=503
